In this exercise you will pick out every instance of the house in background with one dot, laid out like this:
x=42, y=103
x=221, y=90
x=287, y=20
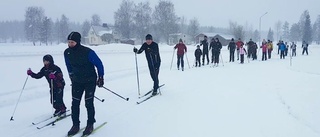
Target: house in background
x=174, y=38
x=99, y=35
x=223, y=38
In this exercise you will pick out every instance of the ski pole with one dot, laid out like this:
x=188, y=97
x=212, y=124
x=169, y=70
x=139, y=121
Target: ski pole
x=127, y=99
x=187, y=60
x=172, y=59
x=102, y=100
x=221, y=59
x=290, y=57
x=137, y=74
x=11, y=119
x=52, y=101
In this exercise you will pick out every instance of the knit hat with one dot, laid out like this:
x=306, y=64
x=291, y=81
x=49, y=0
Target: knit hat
x=48, y=58
x=149, y=37
x=180, y=40
x=75, y=36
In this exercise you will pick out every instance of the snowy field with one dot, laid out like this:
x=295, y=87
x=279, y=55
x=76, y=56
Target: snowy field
x=255, y=99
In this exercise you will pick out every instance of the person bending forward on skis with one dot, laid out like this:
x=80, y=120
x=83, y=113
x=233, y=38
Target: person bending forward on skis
x=151, y=49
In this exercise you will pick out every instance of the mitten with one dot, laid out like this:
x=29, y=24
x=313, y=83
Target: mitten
x=52, y=76
x=29, y=72
x=100, y=82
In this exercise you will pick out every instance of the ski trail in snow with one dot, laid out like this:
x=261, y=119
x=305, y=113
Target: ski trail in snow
x=293, y=115
x=306, y=72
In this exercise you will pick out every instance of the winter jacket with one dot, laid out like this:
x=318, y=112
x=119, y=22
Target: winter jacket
x=81, y=62
x=152, y=54
x=205, y=45
x=293, y=46
x=216, y=46
x=242, y=51
x=282, y=47
x=264, y=47
x=182, y=48
x=305, y=45
x=197, y=53
x=270, y=46
x=232, y=46
x=58, y=82
x=239, y=44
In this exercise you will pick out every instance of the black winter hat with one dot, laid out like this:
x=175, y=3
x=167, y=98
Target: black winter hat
x=149, y=37
x=75, y=36
x=48, y=58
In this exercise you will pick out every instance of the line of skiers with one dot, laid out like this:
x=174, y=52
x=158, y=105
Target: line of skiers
x=266, y=47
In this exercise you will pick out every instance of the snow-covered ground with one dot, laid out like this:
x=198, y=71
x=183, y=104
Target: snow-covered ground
x=255, y=99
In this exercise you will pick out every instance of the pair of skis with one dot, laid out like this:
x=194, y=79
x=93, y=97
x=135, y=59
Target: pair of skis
x=52, y=122
x=149, y=92
x=94, y=130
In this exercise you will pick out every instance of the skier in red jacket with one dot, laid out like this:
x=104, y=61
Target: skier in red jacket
x=182, y=48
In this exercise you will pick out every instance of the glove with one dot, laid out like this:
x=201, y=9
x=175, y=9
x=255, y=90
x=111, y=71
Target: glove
x=52, y=76
x=135, y=50
x=29, y=72
x=100, y=82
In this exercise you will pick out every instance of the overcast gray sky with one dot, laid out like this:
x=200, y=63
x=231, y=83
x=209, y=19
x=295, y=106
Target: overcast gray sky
x=217, y=13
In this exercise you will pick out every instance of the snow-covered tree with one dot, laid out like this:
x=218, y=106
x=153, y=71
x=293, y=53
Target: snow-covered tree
x=142, y=20
x=95, y=20
x=256, y=35
x=305, y=25
x=295, y=32
x=63, y=28
x=236, y=30
x=316, y=29
x=33, y=21
x=285, y=31
x=85, y=28
x=193, y=27
x=165, y=20
x=124, y=19
x=46, y=30
x=277, y=27
x=270, y=35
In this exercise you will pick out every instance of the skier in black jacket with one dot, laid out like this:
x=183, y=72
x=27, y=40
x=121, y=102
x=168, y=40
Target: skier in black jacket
x=197, y=54
x=232, y=48
x=216, y=48
x=205, y=50
x=53, y=74
x=153, y=57
x=81, y=62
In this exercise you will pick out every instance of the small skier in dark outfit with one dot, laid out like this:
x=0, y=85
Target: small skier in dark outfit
x=54, y=76
x=153, y=57
x=197, y=54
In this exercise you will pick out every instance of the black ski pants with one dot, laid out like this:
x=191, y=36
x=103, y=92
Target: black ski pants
x=231, y=56
x=77, y=91
x=205, y=54
x=180, y=61
x=57, y=97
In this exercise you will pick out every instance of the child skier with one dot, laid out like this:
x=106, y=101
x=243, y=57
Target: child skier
x=242, y=51
x=56, y=82
x=197, y=54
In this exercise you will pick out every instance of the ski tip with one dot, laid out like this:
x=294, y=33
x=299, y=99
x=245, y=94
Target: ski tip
x=127, y=99
x=38, y=128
